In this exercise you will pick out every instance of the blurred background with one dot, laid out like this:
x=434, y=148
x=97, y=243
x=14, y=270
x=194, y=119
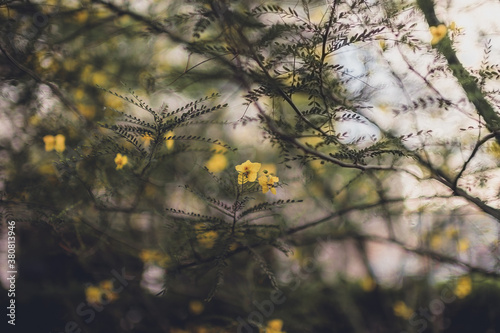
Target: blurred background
x=374, y=207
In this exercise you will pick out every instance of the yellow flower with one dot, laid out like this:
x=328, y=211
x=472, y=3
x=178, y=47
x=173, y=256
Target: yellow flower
x=106, y=288
x=49, y=141
x=120, y=161
x=99, y=78
x=34, y=120
x=367, y=284
x=106, y=285
x=463, y=287
x=438, y=33
x=81, y=16
x=104, y=292
x=146, y=256
x=169, y=142
x=207, y=239
x=60, y=144
x=436, y=242
x=274, y=326
x=79, y=93
x=452, y=232
x=155, y=257
x=216, y=163
x=57, y=143
x=196, y=307
x=452, y=25
x=463, y=245
x=267, y=183
x=247, y=172
x=147, y=138
x=93, y=294
x=401, y=310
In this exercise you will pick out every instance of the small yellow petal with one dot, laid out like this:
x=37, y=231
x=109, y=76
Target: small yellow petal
x=196, y=307
x=60, y=144
x=402, y=310
x=438, y=33
x=267, y=183
x=81, y=16
x=463, y=245
x=49, y=141
x=368, y=284
x=93, y=295
x=463, y=287
x=436, y=242
x=263, y=180
x=252, y=176
x=274, y=326
x=242, y=179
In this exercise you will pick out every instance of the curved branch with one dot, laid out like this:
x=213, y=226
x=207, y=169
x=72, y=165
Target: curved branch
x=476, y=149
x=473, y=92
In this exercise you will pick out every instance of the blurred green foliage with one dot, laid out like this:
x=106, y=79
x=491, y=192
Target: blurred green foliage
x=125, y=124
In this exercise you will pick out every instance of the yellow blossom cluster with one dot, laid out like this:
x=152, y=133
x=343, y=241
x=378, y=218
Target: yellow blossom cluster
x=56, y=143
x=248, y=172
x=101, y=293
x=155, y=257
